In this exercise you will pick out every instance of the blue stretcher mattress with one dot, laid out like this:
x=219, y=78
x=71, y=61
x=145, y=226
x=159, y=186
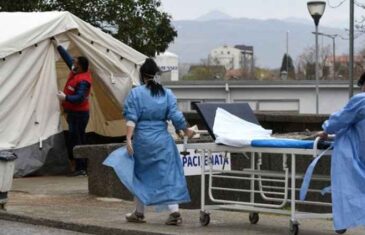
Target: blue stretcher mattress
x=283, y=143
x=289, y=143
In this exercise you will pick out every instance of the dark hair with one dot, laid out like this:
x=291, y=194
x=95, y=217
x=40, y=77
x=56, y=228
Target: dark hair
x=83, y=62
x=148, y=71
x=361, y=81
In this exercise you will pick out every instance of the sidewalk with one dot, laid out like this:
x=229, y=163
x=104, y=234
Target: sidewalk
x=63, y=202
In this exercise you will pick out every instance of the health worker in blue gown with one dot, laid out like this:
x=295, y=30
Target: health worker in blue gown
x=158, y=168
x=348, y=161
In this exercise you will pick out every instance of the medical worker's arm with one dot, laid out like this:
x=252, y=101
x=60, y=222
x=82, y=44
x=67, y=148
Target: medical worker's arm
x=349, y=115
x=176, y=116
x=131, y=114
x=130, y=131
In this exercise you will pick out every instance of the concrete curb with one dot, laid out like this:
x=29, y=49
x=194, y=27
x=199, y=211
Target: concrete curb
x=83, y=228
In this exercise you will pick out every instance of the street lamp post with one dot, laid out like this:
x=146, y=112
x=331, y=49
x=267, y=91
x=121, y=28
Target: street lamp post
x=333, y=37
x=316, y=10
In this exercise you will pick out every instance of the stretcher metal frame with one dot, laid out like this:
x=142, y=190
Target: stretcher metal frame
x=257, y=178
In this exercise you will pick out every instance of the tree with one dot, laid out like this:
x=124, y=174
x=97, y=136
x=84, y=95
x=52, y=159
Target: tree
x=21, y=5
x=266, y=74
x=138, y=23
x=287, y=64
x=205, y=72
x=359, y=23
x=307, y=60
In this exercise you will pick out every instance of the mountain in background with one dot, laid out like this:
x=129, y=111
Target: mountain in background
x=214, y=15
x=196, y=38
x=308, y=21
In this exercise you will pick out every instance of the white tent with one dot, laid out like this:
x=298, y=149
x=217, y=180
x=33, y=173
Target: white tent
x=30, y=123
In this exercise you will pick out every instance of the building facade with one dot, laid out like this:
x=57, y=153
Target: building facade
x=169, y=65
x=264, y=96
x=247, y=58
x=229, y=57
x=236, y=60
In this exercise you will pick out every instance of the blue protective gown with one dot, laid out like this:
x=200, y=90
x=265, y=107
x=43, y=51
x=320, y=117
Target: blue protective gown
x=348, y=163
x=158, y=171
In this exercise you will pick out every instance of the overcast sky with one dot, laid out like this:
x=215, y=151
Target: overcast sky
x=259, y=9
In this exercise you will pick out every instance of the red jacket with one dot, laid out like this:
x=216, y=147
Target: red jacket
x=70, y=88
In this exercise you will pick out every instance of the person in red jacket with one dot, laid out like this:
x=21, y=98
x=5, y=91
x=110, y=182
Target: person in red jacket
x=75, y=103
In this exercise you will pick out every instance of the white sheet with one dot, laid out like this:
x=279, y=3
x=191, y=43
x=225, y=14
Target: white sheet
x=234, y=131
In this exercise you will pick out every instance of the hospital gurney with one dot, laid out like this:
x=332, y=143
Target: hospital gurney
x=275, y=189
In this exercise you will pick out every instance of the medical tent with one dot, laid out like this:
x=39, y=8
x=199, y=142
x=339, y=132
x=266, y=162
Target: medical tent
x=31, y=73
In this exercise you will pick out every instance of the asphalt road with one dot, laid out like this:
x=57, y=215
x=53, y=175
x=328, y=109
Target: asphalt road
x=15, y=228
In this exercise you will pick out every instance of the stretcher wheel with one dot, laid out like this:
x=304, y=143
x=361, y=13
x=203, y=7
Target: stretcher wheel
x=254, y=217
x=294, y=228
x=204, y=218
x=341, y=231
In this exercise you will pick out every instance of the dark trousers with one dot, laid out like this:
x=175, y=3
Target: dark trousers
x=77, y=122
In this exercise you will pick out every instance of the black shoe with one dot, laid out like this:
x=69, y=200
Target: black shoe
x=174, y=219
x=135, y=217
x=78, y=173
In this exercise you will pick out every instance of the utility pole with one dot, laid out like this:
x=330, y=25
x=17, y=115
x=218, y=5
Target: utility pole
x=287, y=55
x=334, y=56
x=351, y=52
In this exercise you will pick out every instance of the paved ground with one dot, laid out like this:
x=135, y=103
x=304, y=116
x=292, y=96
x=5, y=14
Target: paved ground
x=15, y=228
x=63, y=202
